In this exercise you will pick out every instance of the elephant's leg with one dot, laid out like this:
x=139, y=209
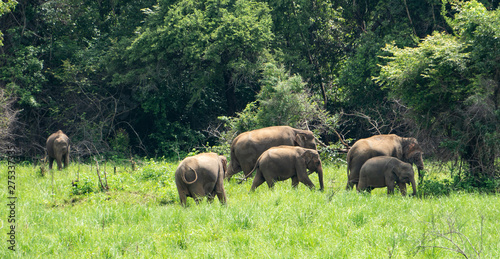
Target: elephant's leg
x=301, y=172
x=270, y=183
x=182, y=197
x=59, y=162
x=197, y=191
x=390, y=188
x=221, y=195
x=360, y=187
x=402, y=188
x=219, y=187
x=51, y=161
x=303, y=178
x=349, y=185
x=295, y=181
x=211, y=196
x=66, y=160
x=354, y=170
x=257, y=180
x=308, y=183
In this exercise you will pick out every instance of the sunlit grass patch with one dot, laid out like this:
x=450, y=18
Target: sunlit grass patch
x=141, y=217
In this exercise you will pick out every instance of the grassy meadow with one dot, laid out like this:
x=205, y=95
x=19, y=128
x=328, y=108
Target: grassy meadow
x=140, y=217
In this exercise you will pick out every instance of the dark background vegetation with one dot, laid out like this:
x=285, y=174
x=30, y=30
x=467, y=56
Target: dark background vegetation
x=160, y=77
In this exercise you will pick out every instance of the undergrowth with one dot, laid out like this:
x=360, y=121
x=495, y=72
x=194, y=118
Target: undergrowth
x=140, y=216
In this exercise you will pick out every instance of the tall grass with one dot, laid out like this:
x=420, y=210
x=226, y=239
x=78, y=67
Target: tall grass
x=140, y=217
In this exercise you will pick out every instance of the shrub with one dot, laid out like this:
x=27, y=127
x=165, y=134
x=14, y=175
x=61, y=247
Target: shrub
x=282, y=100
x=83, y=186
x=435, y=188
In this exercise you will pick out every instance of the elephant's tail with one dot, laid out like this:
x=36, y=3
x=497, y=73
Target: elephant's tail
x=251, y=171
x=184, y=176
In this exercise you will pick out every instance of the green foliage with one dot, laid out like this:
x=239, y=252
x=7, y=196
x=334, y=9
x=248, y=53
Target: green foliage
x=450, y=84
x=435, y=188
x=24, y=72
x=84, y=186
x=467, y=184
x=223, y=149
x=310, y=38
x=430, y=77
x=151, y=171
x=121, y=143
x=189, y=64
x=483, y=184
x=6, y=7
x=283, y=100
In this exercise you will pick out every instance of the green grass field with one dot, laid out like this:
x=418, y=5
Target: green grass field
x=140, y=217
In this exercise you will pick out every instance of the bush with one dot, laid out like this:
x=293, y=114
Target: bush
x=473, y=184
x=283, y=100
x=435, y=188
x=467, y=184
x=83, y=186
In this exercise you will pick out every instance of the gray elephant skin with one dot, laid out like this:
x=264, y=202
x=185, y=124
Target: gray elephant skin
x=382, y=171
x=284, y=162
x=405, y=149
x=201, y=175
x=248, y=146
x=58, y=149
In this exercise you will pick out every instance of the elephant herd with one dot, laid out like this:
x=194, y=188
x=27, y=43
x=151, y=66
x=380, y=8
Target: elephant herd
x=279, y=153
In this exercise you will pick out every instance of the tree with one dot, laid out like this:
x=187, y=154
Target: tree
x=451, y=83
x=193, y=61
x=5, y=7
x=54, y=64
x=311, y=38
x=282, y=100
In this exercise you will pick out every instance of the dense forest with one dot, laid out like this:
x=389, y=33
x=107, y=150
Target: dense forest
x=161, y=77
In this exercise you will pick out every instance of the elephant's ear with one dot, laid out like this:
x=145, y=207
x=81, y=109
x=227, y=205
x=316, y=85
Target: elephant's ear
x=410, y=147
x=396, y=170
x=223, y=160
x=299, y=140
x=308, y=156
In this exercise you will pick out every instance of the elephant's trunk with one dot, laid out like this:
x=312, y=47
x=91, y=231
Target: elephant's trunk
x=320, y=178
x=229, y=171
x=420, y=166
x=421, y=174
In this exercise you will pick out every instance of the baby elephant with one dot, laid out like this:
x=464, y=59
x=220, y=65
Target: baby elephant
x=58, y=149
x=201, y=175
x=283, y=162
x=384, y=171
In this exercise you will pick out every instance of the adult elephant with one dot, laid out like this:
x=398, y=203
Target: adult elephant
x=382, y=171
x=248, y=146
x=58, y=149
x=405, y=149
x=284, y=162
x=201, y=175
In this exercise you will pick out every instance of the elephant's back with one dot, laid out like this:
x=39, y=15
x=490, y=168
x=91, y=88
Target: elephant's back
x=253, y=143
x=57, y=137
x=281, y=134
x=202, y=162
x=285, y=153
x=378, y=145
x=380, y=160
